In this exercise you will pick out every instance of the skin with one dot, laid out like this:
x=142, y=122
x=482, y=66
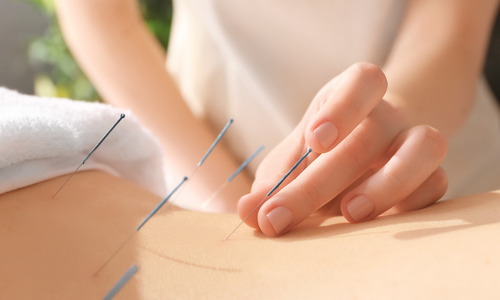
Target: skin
x=388, y=127
x=52, y=248
x=136, y=79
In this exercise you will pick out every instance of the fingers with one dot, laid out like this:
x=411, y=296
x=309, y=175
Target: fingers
x=355, y=132
x=429, y=192
x=329, y=174
x=270, y=171
x=343, y=104
x=422, y=149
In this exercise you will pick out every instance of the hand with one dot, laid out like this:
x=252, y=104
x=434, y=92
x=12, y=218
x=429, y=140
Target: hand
x=367, y=159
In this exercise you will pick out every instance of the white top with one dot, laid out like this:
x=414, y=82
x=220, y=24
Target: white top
x=262, y=62
x=44, y=138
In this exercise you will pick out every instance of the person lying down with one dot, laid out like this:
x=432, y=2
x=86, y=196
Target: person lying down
x=56, y=247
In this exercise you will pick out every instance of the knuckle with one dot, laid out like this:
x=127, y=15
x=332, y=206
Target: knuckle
x=367, y=72
x=396, y=185
x=351, y=109
x=355, y=152
x=434, y=140
x=309, y=194
x=440, y=182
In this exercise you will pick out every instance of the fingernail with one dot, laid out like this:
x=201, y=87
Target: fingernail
x=326, y=134
x=360, y=207
x=280, y=218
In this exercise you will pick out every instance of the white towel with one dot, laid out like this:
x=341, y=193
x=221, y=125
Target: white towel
x=42, y=138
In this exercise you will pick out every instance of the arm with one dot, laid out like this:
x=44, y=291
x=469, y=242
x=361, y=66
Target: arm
x=126, y=64
x=437, y=59
x=379, y=139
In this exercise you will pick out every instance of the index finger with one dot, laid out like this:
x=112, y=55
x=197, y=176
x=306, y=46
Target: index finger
x=329, y=174
x=344, y=104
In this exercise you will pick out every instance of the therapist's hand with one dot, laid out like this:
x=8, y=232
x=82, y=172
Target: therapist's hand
x=367, y=159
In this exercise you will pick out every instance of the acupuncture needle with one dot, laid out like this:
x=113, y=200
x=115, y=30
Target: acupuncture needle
x=272, y=190
x=91, y=152
x=219, y=137
x=151, y=214
x=121, y=282
x=235, y=173
x=162, y=202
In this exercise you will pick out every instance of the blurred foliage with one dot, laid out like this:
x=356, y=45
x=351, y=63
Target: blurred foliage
x=59, y=75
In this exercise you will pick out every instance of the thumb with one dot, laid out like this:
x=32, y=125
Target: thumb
x=274, y=173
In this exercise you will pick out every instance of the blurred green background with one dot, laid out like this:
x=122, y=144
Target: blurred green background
x=58, y=75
